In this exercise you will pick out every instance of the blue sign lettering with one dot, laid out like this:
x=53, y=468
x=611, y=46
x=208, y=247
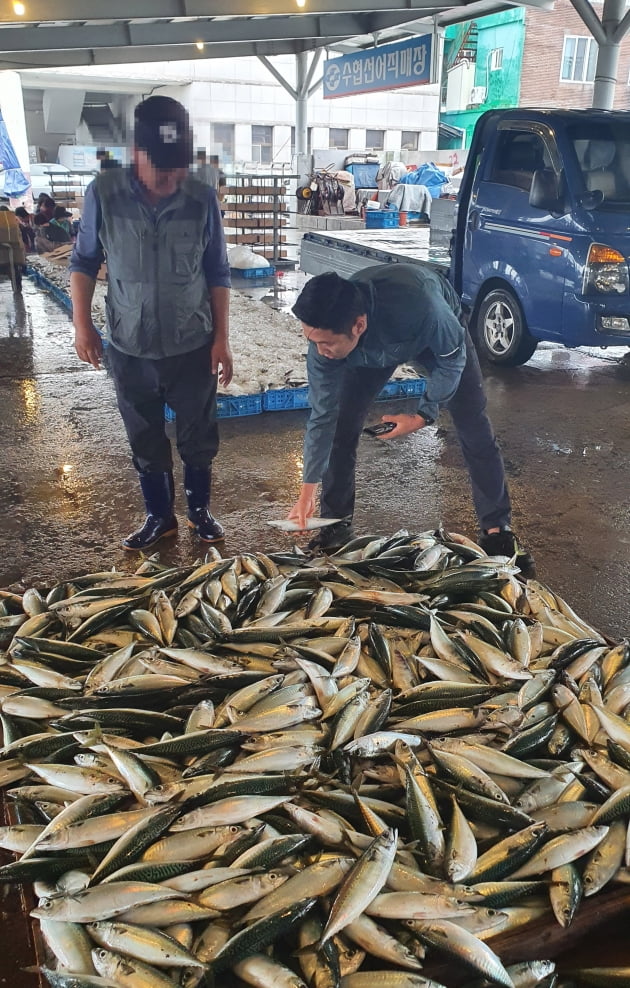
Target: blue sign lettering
x=407, y=63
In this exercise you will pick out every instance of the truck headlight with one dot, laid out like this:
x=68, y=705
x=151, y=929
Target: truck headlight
x=606, y=271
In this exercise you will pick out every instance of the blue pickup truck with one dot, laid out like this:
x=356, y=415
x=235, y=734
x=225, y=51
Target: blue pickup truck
x=541, y=238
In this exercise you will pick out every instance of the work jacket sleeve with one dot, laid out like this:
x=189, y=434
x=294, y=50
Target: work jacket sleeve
x=88, y=255
x=325, y=378
x=215, y=260
x=447, y=345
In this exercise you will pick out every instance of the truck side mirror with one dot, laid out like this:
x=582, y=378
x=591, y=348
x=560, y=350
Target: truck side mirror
x=592, y=199
x=545, y=191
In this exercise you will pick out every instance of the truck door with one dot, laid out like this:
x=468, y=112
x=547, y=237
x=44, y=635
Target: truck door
x=511, y=242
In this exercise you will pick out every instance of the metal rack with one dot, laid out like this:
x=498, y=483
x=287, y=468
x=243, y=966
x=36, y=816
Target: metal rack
x=69, y=189
x=256, y=211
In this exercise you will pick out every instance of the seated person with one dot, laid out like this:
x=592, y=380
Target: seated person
x=45, y=205
x=26, y=227
x=48, y=236
x=62, y=218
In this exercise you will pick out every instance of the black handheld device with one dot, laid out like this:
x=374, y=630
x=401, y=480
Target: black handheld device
x=381, y=429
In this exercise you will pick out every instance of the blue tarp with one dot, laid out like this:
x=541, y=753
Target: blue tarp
x=430, y=176
x=364, y=174
x=15, y=181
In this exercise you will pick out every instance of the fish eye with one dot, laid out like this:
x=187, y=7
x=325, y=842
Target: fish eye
x=45, y=904
x=102, y=954
x=113, y=781
x=234, y=829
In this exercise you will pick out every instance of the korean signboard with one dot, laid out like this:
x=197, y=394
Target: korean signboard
x=407, y=63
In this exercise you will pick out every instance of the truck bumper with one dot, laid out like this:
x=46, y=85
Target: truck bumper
x=595, y=322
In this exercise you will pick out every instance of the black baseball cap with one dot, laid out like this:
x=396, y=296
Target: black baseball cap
x=162, y=129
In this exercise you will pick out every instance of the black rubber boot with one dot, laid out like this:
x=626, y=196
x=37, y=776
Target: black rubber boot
x=158, y=493
x=332, y=537
x=505, y=543
x=198, y=485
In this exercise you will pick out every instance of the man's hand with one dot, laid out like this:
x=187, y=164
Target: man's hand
x=88, y=345
x=221, y=357
x=304, y=507
x=404, y=425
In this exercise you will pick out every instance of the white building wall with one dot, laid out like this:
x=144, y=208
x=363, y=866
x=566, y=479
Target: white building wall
x=242, y=92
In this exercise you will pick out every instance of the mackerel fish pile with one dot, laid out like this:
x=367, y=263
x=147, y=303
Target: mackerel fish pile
x=282, y=771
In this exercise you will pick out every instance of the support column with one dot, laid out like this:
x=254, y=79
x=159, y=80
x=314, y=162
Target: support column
x=303, y=89
x=608, y=56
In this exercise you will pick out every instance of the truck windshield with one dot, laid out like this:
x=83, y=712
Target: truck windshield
x=603, y=153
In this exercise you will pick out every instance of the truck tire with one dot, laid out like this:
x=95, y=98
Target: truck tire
x=502, y=335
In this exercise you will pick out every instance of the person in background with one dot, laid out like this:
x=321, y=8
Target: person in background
x=167, y=321
x=45, y=206
x=359, y=330
x=208, y=170
x=62, y=218
x=220, y=174
x=105, y=159
x=26, y=227
x=11, y=245
x=48, y=235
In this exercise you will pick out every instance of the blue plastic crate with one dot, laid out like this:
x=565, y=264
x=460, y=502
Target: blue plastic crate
x=403, y=389
x=284, y=399
x=253, y=272
x=381, y=219
x=229, y=407
x=57, y=293
x=232, y=406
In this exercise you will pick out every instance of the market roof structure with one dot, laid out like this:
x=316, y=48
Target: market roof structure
x=60, y=33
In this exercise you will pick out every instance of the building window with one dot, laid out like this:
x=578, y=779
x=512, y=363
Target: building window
x=579, y=57
x=262, y=144
x=338, y=138
x=496, y=59
x=374, y=140
x=409, y=140
x=222, y=142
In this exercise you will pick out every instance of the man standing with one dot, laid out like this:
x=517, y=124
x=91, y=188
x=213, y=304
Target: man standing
x=359, y=330
x=159, y=230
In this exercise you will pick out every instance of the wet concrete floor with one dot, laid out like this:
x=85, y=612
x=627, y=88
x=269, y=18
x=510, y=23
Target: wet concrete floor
x=69, y=492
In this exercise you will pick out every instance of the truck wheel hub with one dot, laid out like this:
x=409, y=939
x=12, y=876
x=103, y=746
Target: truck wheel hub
x=499, y=327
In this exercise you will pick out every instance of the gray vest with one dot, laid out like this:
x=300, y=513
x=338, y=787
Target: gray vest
x=157, y=294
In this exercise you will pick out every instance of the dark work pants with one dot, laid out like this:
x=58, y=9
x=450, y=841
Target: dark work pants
x=474, y=430
x=186, y=384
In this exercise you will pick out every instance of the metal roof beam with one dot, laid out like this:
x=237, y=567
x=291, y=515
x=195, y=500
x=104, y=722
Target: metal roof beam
x=167, y=53
x=90, y=10
x=188, y=32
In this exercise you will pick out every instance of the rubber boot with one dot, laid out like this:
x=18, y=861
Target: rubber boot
x=505, y=543
x=332, y=537
x=158, y=490
x=197, y=484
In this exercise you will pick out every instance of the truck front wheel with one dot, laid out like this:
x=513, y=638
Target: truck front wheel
x=502, y=335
